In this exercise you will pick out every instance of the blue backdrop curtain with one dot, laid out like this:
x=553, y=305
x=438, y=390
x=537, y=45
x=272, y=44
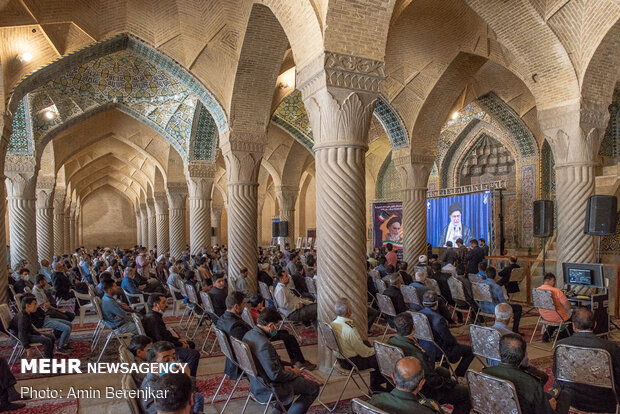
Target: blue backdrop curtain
x=477, y=214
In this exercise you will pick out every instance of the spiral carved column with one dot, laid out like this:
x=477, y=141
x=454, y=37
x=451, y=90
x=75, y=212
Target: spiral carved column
x=287, y=195
x=176, y=202
x=76, y=227
x=243, y=153
x=216, y=218
x=45, y=218
x=414, y=171
x=20, y=183
x=138, y=225
x=59, y=221
x=574, y=185
x=200, y=183
x=144, y=225
x=340, y=99
x=163, y=224
x=72, y=246
x=5, y=134
x=67, y=225
x=152, y=223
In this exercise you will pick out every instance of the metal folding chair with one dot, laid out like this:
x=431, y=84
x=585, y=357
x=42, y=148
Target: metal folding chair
x=424, y=332
x=492, y=395
x=226, y=348
x=387, y=308
x=381, y=286
x=387, y=357
x=176, y=303
x=245, y=361
x=311, y=285
x=410, y=295
x=247, y=317
x=18, y=347
x=363, y=407
x=542, y=299
x=482, y=293
x=458, y=294
x=210, y=311
x=285, y=319
x=119, y=337
x=130, y=388
x=191, y=296
x=589, y=366
x=329, y=338
x=138, y=322
x=484, y=343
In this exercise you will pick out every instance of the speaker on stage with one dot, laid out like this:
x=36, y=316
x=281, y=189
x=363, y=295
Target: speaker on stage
x=601, y=215
x=283, y=229
x=275, y=228
x=543, y=218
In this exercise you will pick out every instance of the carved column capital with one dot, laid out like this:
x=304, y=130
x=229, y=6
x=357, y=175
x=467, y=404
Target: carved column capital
x=59, y=199
x=413, y=169
x=45, y=192
x=177, y=192
x=243, y=152
x=161, y=203
x=287, y=196
x=200, y=180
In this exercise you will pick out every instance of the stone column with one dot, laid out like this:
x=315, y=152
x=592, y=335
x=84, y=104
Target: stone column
x=45, y=217
x=21, y=181
x=177, y=193
x=243, y=153
x=163, y=229
x=144, y=225
x=152, y=223
x=339, y=92
x=76, y=227
x=138, y=225
x=216, y=217
x=413, y=171
x=67, y=225
x=574, y=132
x=72, y=245
x=287, y=195
x=59, y=220
x=200, y=183
x=5, y=133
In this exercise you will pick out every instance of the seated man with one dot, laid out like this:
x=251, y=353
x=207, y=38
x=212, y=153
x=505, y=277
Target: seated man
x=498, y=297
x=562, y=309
x=444, y=338
x=155, y=328
x=55, y=318
x=421, y=288
x=23, y=328
x=8, y=394
x=409, y=379
x=450, y=266
x=353, y=347
x=402, y=270
x=175, y=280
x=179, y=396
x=163, y=352
x=394, y=293
x=532, y=398
x=439, y=385
x=115, y=315
x=232, y=324
x=503, y=317
x=139, y=347
x=587, y=397
x=295, y=309
x=218, y=293
x=23, y=281
x=287, y=382
x=504, y=276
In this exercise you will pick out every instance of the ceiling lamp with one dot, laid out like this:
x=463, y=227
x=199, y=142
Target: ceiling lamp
x=25, y=57
x=455, y=115
x=49, y=115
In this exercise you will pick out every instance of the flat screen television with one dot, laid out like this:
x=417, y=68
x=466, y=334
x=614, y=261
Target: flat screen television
x=583, y=274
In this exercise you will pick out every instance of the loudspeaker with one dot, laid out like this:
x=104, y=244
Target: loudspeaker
x=212, y=231
x=601, y=215
x=283, y=229
x=275, y=228
x=543, y=218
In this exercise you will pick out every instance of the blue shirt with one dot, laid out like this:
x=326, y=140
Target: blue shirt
x=113, y=313
x=129, y=285
x=496, y=293
x=47, y=272
x=86, y=270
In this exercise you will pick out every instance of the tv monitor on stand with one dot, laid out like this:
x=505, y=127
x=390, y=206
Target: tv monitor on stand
x=586, y=288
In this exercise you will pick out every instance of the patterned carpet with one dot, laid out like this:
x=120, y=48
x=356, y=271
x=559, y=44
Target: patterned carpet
x=49, y=406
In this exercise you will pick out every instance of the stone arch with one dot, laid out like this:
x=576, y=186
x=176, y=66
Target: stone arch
x=39, y=90
x=388, y=182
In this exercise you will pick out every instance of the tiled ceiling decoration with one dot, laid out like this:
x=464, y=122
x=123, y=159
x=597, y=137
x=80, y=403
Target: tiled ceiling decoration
x=204, y=139
x=129, y=75
x=291, y=115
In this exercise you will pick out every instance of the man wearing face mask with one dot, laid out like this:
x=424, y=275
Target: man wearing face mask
x=287, y=382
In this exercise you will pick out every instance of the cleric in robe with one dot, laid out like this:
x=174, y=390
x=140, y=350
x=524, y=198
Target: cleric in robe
x=455, y=229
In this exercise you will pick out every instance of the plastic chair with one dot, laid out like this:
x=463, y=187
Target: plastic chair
x=138, y=296
x=86, y=307
x=176, y=303
x=329, y=338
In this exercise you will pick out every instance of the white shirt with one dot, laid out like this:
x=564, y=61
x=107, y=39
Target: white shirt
x=287, y=301
x=449, y=268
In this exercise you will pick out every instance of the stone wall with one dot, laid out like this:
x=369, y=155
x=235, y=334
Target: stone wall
x=109, y=219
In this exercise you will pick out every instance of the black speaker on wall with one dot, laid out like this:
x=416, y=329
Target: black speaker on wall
x=601, y=215
x=283, y=229
x=275, y=228
x=543, y=218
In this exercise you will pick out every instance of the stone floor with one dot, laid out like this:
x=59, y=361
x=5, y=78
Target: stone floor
x=216, y=365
